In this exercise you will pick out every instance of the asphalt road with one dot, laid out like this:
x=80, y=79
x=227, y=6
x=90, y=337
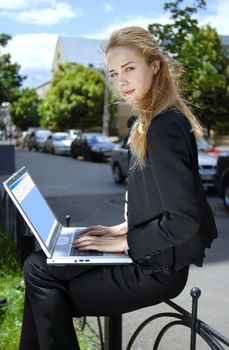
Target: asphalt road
x=86, y=191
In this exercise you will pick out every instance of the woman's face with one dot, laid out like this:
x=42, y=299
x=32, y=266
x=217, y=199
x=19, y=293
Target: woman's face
x=130, y=73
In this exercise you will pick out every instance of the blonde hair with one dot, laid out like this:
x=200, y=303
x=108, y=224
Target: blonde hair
x=164, y=91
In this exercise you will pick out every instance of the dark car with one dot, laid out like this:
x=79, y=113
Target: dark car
x=92, y=146
x=222, y=177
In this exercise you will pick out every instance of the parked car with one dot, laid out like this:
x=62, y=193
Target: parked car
x=222, y=178
x=74, y=132
x=37, y=138
x=205, y=146
x=119, y=166
x=92, y=146
x=119, y=163
x=207, y=168
x=58, y=143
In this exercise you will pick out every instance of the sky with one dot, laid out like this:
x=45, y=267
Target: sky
x=35, y=25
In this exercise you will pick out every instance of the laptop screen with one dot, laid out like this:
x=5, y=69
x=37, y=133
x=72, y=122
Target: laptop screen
x=33, y=205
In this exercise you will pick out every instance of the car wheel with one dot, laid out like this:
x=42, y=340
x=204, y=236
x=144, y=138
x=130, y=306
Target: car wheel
x=53, y=151
x=226, y=195
x=117, y=174
x=89, y=157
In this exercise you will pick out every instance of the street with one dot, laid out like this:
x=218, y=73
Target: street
x=83, y=190
x=87, y=193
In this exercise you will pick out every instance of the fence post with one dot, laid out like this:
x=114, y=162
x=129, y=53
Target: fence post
x=195, y=293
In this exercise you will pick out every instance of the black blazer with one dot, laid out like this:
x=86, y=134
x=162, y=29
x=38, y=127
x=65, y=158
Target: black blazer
x=170, y=221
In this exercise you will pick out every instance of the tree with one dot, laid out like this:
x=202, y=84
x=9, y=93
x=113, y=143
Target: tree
x=172, y=36
x=10, y=79
x=204, y=58
x=24, y=110
x=4, y=38
x=74, y=99
x=207, y=64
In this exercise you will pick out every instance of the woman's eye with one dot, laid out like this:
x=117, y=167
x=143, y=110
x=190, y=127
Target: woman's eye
x=129, y=68
x=112, y=75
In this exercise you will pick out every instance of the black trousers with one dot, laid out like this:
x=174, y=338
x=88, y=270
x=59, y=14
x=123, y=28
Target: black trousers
x=54, y=294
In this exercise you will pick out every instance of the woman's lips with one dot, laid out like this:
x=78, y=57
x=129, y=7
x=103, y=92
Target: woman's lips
x=128, y=92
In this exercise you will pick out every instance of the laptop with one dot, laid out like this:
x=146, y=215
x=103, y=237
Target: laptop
x=55, y=239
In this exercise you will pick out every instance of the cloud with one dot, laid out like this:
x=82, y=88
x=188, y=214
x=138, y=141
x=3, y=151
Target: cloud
x=218, y=18
x=35, y=54
x=129, y=21
x=13, y=4
x=32, y=50
x=48, y=16
x=53, y=14
x=108, y=8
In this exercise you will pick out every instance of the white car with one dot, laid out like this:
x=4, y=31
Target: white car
x=58, y=143
x=207, y=168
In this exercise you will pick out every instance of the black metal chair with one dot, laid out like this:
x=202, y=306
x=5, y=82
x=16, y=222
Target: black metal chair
x=214, y=339
x=182, y=317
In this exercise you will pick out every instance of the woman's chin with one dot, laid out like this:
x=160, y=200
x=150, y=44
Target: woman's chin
x=130, y=99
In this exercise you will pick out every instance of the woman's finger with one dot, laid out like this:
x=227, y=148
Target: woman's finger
x=91, y=239
x=93, y=230
x=104, y=244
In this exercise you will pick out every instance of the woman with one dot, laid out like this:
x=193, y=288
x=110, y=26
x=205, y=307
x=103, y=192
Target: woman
x=169, y=222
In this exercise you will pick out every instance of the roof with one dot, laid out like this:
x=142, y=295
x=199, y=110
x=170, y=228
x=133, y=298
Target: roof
x=225, y=39
x=83, y=50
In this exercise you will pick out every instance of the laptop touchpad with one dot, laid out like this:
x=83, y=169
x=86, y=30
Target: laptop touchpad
x=62, y=240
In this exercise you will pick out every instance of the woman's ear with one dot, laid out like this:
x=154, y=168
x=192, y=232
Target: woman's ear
x=156, y=64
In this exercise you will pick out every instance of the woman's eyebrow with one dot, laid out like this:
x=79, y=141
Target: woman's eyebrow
x=122, y=66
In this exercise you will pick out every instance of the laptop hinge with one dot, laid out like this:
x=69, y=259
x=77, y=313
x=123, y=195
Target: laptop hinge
x=54, y=237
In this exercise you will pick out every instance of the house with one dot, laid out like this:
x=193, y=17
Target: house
x=88, y=52
x=42, y=89
x=225, y=41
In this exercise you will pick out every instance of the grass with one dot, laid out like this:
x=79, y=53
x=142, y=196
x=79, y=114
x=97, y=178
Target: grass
x=10, y=317
x=12, y=287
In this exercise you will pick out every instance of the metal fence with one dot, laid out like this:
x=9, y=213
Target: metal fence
x=12, y=222
x=7, y=141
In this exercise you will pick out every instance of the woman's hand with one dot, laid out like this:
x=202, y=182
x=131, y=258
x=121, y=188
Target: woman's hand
x=102, y=231
x=101, y=243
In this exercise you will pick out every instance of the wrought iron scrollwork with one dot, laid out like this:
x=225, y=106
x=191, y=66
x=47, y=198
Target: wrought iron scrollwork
x=213, y=338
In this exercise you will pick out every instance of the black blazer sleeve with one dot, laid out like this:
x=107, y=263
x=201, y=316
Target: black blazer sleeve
x=172, y=172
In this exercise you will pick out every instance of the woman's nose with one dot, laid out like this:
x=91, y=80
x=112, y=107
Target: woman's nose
x=121, y=82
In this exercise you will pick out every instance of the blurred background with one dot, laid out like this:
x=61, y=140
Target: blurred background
x=59, y=119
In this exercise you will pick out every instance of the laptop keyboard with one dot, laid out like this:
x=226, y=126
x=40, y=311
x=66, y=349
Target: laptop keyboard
x=77, y=252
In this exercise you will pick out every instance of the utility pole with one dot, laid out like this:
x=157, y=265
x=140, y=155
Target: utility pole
x=106, y=113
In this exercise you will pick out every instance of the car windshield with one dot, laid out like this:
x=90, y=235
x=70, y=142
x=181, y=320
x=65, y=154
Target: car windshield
x=43, y=133
x=61, y=137
x=203, y=144
x=98, y=139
